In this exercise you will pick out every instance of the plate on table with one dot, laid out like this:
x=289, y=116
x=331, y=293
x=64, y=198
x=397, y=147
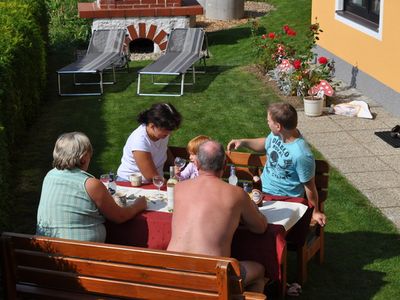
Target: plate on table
x=152, y=203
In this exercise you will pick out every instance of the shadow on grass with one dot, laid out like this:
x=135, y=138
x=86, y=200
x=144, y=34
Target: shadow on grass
x=228, y=36
x=202, y=81
x=123, y=80
x=33, y=157
x=355, y=256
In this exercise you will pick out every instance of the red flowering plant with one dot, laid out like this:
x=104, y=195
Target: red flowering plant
x=273, y=47
x=312, y=79
x=293, y=64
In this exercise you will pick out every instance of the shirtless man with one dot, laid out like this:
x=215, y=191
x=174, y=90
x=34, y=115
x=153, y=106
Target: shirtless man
x=207, y=212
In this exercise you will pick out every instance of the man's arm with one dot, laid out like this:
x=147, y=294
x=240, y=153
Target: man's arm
x=312, y=197
x=252, y=218
x=257, y=145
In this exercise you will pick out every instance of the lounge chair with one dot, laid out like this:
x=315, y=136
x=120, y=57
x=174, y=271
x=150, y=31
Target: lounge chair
x=184, y=49
x=105, y=52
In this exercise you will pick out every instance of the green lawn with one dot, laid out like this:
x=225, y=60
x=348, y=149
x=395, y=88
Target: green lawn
x=362, y=247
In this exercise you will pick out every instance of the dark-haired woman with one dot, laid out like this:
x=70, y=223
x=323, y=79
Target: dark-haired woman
x=145, y=150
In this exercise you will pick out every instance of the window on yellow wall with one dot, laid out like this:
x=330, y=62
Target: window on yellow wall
x=365, y=11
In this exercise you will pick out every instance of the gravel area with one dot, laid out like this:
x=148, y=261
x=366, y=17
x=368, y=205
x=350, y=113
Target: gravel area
x=252, y=9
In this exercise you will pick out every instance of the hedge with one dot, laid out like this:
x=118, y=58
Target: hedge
x=4, y=165
x=22, y=74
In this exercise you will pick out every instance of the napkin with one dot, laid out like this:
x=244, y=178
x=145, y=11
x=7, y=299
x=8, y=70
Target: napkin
x=283, y=213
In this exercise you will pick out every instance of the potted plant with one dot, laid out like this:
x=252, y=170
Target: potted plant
x=312, y=82
x=295, y=67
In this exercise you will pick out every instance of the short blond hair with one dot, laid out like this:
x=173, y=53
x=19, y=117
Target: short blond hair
x=194, y=143
x=69, y=149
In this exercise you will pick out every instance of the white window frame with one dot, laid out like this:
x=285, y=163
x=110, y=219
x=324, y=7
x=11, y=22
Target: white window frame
x=339, y=6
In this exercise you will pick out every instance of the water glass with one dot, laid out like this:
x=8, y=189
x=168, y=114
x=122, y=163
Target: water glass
x=104, y=178
x=158, y=181
x=179, y=162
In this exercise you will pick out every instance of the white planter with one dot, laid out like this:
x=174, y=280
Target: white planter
x=313, y=106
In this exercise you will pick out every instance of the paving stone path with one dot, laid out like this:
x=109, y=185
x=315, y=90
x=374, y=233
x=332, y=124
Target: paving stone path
x=350, y=145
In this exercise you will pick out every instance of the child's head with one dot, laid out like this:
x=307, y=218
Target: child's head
x=284, y=114
x=193, y=145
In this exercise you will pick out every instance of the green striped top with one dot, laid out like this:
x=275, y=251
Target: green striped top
x=66, y=210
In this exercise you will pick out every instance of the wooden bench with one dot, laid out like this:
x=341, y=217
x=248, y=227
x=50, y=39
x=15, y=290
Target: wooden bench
x=252, y=164
x=50, y=268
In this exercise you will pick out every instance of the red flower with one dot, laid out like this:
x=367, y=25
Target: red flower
x=297, y=64
x=280, y=49
x=264, y=36
x=271, y=35
x=323, y=60
x=286, y=28
x=291, y=32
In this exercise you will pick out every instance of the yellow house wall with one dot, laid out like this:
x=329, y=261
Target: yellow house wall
x=378, y=58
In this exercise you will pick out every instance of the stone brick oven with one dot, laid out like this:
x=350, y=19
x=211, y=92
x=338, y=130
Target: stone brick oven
x=148, y=22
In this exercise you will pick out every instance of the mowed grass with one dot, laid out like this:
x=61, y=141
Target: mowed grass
x=362, y=246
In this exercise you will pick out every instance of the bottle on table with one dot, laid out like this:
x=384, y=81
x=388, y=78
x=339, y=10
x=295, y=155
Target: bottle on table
x=257, y=183
x=172, y=181
x=112, y=185
x=233, y=178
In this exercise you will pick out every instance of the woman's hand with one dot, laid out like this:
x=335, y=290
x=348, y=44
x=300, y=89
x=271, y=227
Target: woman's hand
x=141, y=203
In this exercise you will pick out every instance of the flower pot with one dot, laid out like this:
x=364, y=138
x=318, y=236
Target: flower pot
x=313, y=106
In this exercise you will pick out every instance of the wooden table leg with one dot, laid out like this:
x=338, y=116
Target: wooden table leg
x=283, y=266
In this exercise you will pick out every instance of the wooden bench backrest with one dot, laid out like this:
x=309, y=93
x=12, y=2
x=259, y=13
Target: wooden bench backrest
x=247, y=164
x=321, y=181
x=251, y=164
x=85, y=270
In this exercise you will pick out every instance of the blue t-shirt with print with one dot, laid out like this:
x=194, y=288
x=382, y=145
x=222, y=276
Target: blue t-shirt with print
x=288, y=167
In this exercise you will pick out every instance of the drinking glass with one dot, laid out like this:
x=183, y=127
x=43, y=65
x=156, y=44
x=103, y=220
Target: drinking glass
x=179, y=162
x=158, y=181
x=104, y=178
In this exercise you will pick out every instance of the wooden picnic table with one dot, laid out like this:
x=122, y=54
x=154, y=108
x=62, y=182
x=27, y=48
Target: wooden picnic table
x=152, y=229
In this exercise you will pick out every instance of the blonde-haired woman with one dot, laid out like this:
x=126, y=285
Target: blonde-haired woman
x=73, y=204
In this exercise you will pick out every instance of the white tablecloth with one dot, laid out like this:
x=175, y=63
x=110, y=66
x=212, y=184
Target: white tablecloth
x=277, y=212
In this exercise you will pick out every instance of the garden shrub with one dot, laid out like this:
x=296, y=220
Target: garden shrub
x=22, y=74
x=39, y=11
x=66, y=28
x=4, y=204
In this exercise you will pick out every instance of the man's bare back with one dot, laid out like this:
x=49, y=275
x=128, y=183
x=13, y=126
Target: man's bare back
x=207, y=212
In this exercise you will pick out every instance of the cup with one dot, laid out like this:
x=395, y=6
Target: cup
x=136, y=179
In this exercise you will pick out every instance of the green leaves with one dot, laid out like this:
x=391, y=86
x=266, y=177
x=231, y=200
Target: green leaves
x=23, y=31
x=66, y=28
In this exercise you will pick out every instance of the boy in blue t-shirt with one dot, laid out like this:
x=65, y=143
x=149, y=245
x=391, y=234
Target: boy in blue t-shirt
x=290, y=166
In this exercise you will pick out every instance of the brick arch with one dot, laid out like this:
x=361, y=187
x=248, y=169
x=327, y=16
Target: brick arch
x=152, y=33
